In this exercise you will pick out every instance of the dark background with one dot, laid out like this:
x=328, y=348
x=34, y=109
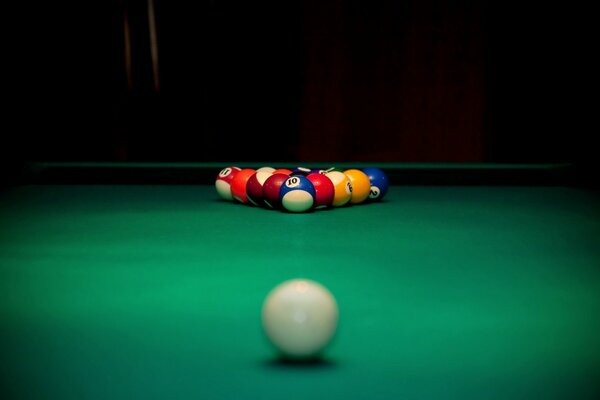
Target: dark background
x=293, y=81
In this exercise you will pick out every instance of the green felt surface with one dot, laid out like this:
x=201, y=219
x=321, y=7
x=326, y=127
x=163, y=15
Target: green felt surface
x=154, y=292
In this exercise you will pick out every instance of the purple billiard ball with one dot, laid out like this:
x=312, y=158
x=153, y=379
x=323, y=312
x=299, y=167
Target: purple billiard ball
x=301, y=171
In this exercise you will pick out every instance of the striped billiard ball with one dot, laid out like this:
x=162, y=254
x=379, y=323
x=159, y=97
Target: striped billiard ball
x=342, y=186
x=255, y=185
x=266, y=169
x=223, y=182
x=297, y=194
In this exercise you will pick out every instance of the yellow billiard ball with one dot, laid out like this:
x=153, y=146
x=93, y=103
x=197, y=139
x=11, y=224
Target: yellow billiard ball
x=342, y=186
x=361, y=185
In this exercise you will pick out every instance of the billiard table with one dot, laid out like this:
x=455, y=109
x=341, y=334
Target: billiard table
x=136, y=281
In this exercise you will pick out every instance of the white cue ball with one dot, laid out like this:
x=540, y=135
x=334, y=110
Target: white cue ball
x=300, y=318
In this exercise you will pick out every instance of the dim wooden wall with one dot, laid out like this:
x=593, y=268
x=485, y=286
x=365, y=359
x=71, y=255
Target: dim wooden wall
x=403, y=80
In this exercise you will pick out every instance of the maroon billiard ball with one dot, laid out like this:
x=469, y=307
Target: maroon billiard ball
x=271, y=188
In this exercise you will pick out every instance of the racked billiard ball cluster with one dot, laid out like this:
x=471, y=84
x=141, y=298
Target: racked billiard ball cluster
x=301, y=189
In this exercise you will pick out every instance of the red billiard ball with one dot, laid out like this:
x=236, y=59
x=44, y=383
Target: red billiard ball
x=238, y=184
x=223, y=182
x=271, y=188
x=324, y=189
x=255, y=185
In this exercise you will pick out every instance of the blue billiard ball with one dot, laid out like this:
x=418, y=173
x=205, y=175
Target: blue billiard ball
x=379, y=183
x=297, y=194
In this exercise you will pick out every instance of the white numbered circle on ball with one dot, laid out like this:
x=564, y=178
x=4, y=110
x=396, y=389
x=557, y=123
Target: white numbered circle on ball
x=375, y=192
x=349, y=188
x=293, y=182
x=225, y=172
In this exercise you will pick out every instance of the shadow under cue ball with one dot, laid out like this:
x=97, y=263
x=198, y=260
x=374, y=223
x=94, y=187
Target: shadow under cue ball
x=300, y=317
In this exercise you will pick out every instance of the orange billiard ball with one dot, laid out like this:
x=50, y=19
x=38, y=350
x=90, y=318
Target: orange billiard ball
x=238, y=184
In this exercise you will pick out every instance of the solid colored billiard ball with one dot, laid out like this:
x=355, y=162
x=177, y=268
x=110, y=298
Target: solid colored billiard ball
x=379, y=183
x=300, y=318
x=297, y=194
x=283, y=171
x=271, y=188
x=238, y=184
x=361, y=186
x=331, y=169
x=223, y=182
x=254, y=185
x=324, y=190
x=343, y=188
x=301, y=171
